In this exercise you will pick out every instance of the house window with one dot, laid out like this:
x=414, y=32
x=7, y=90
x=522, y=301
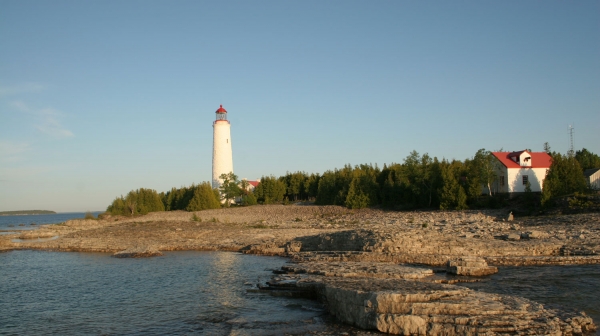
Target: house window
x=525, y=179
x=502, y=181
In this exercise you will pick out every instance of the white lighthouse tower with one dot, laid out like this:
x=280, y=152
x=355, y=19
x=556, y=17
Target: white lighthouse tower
x=222, y=156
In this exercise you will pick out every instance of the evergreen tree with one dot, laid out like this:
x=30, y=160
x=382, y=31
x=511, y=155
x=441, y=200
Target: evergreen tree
x=472, y=180
x=564, y=177
x=136, y=202
x=461, y=199
x=311, y=186
x=204, y=198
x=117, y=207
x=294, y=184
x=249, y=199
x=326, y=190
x=449, y=189
x=587, y=159
x=363, y=189
x=270, y=190
x=356, y=198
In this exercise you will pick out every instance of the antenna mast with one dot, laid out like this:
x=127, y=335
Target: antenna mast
x=571, y=152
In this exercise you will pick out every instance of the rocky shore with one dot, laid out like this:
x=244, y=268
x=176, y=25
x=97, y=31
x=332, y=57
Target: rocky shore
x=408, y=307
x=362, y=263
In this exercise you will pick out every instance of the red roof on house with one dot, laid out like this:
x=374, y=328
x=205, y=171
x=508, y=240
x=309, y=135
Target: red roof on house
x=254, y=183
x=221, y=110
x=538, y=159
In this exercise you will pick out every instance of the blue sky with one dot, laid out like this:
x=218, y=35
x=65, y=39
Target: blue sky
x=101, y=97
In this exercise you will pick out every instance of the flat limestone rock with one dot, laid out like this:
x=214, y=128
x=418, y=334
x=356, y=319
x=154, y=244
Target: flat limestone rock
x=408, y=307
x=34, y=234
x=138, y=252
x=360, y=269
x=471, y=266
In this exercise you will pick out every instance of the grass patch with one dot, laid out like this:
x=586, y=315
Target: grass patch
x=89, y=215
x=195, y=218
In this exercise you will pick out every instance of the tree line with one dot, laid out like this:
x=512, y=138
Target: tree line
x=193, y=198
x=420, y=181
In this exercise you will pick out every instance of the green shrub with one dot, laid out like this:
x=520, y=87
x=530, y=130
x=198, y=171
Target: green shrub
x=249, y=199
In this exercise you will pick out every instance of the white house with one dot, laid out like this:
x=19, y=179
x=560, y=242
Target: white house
x=515, y=169
x=593, y=178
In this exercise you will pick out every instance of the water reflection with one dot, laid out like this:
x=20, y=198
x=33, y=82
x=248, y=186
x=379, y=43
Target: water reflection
x=570, y=288
x=179, y=293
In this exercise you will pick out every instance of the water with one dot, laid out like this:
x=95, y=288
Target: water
x=183, y=293
x=180, y=293
x=27, y=220
x=571, y=288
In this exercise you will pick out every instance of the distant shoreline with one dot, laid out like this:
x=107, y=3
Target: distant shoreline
x=26, y=212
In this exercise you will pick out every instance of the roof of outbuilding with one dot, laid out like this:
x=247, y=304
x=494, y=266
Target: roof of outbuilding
x=538, y=159
x=590, y=172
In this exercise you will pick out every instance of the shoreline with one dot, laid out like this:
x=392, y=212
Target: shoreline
x=342, y=251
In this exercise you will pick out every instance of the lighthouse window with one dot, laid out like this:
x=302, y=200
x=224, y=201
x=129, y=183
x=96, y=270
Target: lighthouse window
x=227, y=140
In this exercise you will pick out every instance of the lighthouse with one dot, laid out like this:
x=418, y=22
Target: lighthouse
x=222, y=156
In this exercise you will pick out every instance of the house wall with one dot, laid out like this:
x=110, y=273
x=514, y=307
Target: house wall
x=594, y=180
x=515, y=179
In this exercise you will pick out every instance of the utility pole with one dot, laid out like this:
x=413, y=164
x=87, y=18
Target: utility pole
x=571, y=152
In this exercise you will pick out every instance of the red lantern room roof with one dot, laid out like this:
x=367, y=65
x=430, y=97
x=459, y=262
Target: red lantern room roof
x=221, y=110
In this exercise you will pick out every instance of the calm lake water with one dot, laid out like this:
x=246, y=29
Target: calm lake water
x=189, y=293
x=13, y=223
x=568, y=288
x=179, y=293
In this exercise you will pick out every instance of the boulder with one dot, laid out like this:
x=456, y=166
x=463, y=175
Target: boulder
x=471, y=266
x=293, y=246
x=511, y=236
x=138, y=252
x=533, y=235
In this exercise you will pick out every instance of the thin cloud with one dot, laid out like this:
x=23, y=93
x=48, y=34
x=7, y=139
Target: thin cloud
x=51, y=126
x=21, y=88
x=47, y=120
x=11, y=151
x=21, y=106
x=11, y=148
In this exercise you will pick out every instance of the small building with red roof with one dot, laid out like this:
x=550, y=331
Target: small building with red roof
x=251, y=184
x=516, y=169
